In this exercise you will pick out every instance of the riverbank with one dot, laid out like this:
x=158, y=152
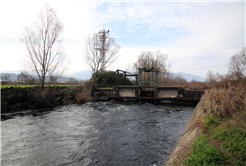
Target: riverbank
x=193, y=129
x=16, y=99
x=216, y=132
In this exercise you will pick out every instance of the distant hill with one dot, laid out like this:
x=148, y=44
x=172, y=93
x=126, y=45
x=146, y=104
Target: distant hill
x=190, y=77
x=86, y=75
x=81, y=75
x=14, y=77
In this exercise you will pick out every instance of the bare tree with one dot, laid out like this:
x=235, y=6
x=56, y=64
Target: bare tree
x=25, y=76
x=153, y=59
x=43, y=46
x=2, y=80
x=178, y=78
x=6, y=78
x=210, y=78
x=156, y=60
x=129, y=68
x=52, y=79
x=237, y=66
x=94, y=59
x=71, y=80
x=20, y=78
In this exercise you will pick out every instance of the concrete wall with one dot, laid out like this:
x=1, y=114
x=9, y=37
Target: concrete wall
x=134, y=91
x=194, y=93
x=127, y=92
x=167, y=93
x=193, y=129
x=106, y=92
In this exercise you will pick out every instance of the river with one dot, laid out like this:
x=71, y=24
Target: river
x=95, y=133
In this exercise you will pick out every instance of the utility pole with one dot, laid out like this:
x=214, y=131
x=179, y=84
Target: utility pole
x=103, y=34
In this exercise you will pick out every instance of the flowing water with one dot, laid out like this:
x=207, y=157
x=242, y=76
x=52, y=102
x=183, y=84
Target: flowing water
x=99, y=133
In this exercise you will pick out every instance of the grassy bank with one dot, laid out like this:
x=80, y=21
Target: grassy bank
x=223, y=138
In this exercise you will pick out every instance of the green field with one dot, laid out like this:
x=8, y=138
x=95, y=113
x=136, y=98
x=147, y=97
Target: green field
x=25, y=86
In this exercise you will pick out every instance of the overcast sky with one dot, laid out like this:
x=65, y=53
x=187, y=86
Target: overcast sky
x=194, y=35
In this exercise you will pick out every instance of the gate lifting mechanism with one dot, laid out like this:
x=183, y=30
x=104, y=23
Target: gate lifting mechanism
x=148, y=70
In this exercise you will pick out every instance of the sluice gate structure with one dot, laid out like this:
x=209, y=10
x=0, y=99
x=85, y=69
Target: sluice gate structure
x=142, y=92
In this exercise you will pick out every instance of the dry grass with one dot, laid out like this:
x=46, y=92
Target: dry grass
x=240, y=121
x=66, y=98
x=226, y=101
x=83, y=96
x=195, y=85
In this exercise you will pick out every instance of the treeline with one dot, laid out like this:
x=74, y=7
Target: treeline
x=236, y=72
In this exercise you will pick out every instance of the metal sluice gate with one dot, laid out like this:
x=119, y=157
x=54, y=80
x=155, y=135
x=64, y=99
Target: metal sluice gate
x=147, y=90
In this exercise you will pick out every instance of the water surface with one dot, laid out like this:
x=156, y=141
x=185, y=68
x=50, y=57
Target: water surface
x=100, y=133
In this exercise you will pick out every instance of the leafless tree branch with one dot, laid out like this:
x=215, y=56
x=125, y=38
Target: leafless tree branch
x=43, y=44
x=237, y=65
x=156, y=60
x=93, y=58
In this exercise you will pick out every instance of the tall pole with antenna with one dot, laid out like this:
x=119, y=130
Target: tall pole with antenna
x=103, y=34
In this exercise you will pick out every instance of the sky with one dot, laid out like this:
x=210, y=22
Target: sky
x=197, y=36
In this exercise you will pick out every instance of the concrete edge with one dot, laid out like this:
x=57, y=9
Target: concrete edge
x=193, y=129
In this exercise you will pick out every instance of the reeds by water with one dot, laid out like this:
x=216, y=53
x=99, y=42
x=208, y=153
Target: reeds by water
x=226, y=101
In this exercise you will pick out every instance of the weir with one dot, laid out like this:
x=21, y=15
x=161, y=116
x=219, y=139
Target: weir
x=147, y=92
x=160, y=93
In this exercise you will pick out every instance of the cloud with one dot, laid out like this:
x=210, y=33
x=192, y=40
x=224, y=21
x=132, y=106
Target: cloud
x=191, y=33
x=10, y=57
x=15, y=16
x=199, y=27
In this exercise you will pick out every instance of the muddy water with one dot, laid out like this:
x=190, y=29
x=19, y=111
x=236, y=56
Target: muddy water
x=101, y=133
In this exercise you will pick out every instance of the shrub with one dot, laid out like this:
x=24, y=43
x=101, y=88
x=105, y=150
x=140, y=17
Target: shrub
x=109, y=78
x=84, y=96
x=66, y=97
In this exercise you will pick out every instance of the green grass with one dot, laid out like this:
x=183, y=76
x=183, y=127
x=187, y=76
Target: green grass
x=204, y=154
x=18, y=86
x=212, y=121
x=233, y=144
x=228, y=136
x=25, y=86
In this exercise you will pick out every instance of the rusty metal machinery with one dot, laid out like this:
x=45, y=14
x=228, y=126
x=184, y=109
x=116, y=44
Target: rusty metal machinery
x=141, y=70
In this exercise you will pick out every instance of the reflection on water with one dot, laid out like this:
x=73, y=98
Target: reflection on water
x=101, y=133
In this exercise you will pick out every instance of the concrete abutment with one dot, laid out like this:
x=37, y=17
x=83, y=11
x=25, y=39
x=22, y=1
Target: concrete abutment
x=193, y=129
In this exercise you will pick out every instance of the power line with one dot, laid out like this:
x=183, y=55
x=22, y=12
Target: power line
x=203, y=67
